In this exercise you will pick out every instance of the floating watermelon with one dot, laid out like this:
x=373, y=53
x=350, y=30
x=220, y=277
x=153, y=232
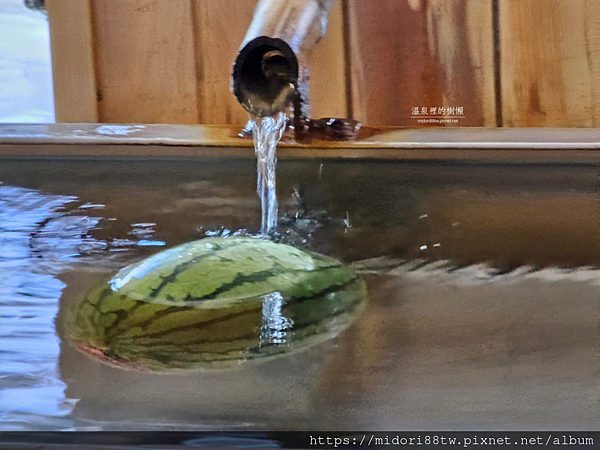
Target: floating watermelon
x=215, y=302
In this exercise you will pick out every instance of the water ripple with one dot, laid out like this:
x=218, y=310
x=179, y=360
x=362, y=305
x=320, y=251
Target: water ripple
x=38, y=240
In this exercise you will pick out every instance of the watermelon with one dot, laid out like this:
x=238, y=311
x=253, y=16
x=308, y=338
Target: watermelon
x=214, y=303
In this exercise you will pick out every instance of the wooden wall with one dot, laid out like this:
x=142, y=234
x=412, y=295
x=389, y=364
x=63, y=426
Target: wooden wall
x=550, y=69
x=436, y=53
x=505, y=62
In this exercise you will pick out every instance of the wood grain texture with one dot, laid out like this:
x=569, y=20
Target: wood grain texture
x=461, y=41
x=145, y=61
x=550, y=62
x=219, y=29
x=328, y=90
x=73, y=69
x=409, y=53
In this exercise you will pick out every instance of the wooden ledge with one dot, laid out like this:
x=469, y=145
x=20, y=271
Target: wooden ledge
x=469, y=144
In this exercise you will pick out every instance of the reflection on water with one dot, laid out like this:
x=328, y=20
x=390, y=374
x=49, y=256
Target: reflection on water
x=39, y=239
x=36, y=240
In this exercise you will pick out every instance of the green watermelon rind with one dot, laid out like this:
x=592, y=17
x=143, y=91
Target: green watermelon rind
x=201, y=272
x=146, y=333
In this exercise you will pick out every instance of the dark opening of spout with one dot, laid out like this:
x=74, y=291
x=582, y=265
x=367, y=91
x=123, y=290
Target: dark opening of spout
x=265, y=76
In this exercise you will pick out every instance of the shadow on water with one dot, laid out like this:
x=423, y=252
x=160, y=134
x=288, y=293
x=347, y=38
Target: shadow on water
x=490, y=322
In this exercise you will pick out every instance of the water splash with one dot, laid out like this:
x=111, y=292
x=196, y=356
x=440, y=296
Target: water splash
x=267, y=132
x=276, y=329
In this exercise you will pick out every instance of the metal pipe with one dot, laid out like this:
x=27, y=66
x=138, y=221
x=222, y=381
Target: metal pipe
x=268, y=71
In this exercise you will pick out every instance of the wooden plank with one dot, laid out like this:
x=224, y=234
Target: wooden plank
x=550, y=62
x=327, y=70
x=73, y=71
x=461, y=39
x=145, y=61
x=219, y=30
x=592, y=45
x=413, y=53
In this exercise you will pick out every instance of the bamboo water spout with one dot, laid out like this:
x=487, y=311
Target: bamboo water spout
x=270, y=71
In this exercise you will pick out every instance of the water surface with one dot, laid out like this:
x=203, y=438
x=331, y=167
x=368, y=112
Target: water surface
x=490, y=322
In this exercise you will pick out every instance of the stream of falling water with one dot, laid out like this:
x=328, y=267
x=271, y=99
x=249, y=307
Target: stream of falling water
x=267, y=132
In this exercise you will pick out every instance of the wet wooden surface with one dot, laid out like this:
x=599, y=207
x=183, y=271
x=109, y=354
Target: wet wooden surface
x=56, y=139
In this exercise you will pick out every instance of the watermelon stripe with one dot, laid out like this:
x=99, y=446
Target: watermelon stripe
x=168, y=357
x=164, y=313
x=329, y=290
x=316, y=330
x=149, y=345
x=173, y=309
x=256, y=277
x=159, y=334
x=337, y=313
x=105, y=293
x=295, y=328
x=171, y=278
x=96, y=303
x=240, y=279
x=123, y=314
x=95, y=307
x=159, y=315
x=261, y=276
x=151, y=319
